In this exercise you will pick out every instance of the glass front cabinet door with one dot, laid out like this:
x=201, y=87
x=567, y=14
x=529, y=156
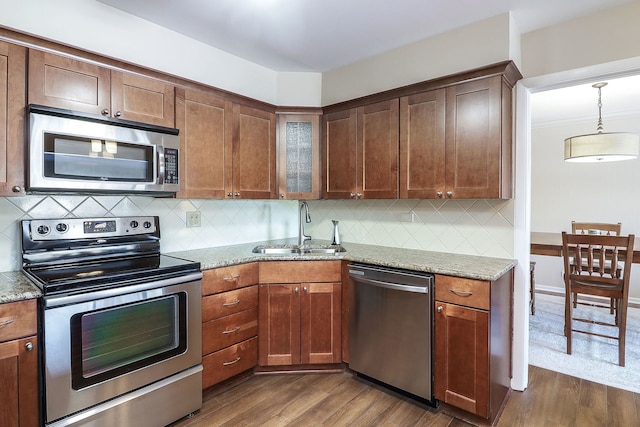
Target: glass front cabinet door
x=299, y=156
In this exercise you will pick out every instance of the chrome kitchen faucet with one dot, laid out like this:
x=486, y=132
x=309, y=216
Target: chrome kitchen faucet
x=307, y=218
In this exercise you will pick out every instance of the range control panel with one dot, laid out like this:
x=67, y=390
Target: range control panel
x=87, y=228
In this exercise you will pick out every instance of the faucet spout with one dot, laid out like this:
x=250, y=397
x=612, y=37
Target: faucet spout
x=304, y=207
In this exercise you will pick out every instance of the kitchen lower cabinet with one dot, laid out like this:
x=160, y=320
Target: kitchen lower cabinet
x=472, y=343
x=300, y=313
x=13, y=62
x=229, y=322
x=19, y=364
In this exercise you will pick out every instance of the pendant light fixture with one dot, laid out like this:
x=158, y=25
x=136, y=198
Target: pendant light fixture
x=601, y=146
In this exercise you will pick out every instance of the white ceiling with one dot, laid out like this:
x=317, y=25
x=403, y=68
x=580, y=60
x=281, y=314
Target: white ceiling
x=321, y=35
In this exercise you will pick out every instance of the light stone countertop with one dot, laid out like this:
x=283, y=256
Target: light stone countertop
x=15, y=286
x=468, y=266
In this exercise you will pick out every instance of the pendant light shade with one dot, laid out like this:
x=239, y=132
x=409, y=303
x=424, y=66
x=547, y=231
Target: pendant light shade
x=601, y=146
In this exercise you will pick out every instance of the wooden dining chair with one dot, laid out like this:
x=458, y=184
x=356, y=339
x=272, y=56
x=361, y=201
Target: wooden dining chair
x=602, y=228
x=588, y=278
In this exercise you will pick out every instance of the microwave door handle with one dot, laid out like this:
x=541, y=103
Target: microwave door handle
x=160, y=178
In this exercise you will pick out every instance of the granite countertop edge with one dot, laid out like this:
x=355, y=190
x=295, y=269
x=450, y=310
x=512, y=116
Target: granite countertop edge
x=15, y=286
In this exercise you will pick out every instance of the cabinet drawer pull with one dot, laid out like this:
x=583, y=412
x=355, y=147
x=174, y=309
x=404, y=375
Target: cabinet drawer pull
x=233, y=362
x=230, y=331
x=6, y=322
x=231, y=279
x=461, y=293
x=227, y=304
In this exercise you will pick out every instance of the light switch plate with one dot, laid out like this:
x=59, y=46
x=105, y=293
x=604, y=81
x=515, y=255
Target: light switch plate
x=193, y=219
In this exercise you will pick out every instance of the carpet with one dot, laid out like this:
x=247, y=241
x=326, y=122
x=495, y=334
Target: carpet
x=594, y=358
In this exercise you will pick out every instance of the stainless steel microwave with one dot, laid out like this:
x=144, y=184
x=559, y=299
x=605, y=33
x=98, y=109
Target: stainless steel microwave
x=73, y=152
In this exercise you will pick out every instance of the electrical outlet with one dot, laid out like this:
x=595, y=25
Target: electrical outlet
x=407, y=217
x=193, y=219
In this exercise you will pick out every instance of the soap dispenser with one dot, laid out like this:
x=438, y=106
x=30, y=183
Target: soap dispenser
x=336, y=233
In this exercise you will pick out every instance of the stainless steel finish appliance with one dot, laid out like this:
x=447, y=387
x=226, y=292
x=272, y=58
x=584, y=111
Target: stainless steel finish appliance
x=77, y=152
x=121, y=323
x=391, y=327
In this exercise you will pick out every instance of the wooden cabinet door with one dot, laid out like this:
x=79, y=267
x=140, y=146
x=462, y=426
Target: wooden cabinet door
x=142, y=99
x=204, y=121
x=12, y=115
x=63, y=82
x=461, y=357
x=19, y=380
x=279, y=325
x=377, y=150
x=474, y=150
x=298, y=156
x=320, y=324
x=254, y=154
x=339, y=155
x=422, y=145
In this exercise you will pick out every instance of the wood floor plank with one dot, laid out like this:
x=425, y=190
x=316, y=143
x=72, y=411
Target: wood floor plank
x=340, y=399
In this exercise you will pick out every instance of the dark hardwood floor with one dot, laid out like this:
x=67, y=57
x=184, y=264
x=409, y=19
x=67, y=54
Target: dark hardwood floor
x=552, y=399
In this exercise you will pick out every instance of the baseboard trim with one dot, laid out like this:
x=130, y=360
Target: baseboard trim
x=552, y=290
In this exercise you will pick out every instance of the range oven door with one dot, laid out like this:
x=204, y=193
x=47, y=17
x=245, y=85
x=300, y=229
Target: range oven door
x=100, y=345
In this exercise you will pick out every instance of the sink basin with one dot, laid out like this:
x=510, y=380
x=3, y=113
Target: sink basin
x=296, y=250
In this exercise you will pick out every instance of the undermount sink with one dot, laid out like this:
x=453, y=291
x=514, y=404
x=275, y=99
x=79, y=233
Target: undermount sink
x=296, y=250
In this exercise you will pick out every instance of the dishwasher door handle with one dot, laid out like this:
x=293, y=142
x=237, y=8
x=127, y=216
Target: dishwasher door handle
x=394, y=286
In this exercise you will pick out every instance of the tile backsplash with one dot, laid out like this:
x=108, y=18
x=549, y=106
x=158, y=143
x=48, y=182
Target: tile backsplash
x=474, y=227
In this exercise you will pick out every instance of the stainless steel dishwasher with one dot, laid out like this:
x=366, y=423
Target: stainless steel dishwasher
x=391, y=327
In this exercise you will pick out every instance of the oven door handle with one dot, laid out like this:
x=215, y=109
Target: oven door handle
x=56, y=301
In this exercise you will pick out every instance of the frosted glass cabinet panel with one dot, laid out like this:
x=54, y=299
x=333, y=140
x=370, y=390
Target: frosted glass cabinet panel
x=299, y=156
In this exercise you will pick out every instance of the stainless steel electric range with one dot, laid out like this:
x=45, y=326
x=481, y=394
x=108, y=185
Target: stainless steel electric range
x=120, y=322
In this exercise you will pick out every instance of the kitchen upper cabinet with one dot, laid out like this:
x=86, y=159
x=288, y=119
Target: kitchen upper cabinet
x=19, y=364
x=472, y=343
x=253, y=174
x=13, y=64
x=204, y=121
x=299, y=156
x=64, y=82
x=455, y=142
x=478, y=140
x=422, y=145
x=300, y=313
x=360, y=152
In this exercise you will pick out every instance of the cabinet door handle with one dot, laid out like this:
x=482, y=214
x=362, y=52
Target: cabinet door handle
x=358, y=195
x=439, y=194
x=352, y=195
x=227, y=304
x=229, y=194
x=231, y=279
x=461, y=293
x=449, y=194
x=440, y=308
x=237, y=194
x=29, y=346
x=6, y=322
x=296, y=290
x=232, y=362
x=230, y=331
x=105, y=112
x=16, y=189
x=305, y=289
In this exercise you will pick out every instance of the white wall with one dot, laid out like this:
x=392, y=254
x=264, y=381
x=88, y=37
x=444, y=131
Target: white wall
x=586, y=192
x=472, y=46
x=96, y=27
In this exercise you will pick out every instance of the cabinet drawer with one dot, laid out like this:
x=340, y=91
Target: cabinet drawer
x=226, y=303
x=18, y=319
x=225, y=331
x=227, y=278
x=228, y=362
x=300, y=271
x=467, y=292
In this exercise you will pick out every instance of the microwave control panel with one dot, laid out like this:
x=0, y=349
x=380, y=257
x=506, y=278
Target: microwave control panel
x=171, y=166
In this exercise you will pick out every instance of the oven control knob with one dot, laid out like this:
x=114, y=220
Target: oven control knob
x=62, y=227
x=133, y=224
x=147, y=224
x=43, y=230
